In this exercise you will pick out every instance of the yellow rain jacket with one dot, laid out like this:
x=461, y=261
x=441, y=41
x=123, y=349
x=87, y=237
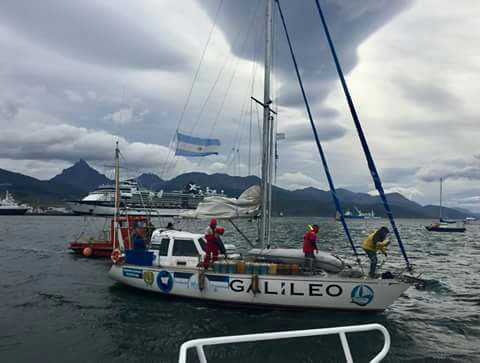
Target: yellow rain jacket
x=369, y=245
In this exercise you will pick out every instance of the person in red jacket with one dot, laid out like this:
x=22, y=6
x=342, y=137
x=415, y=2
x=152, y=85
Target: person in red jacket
x=310, y=244
x=212, y=246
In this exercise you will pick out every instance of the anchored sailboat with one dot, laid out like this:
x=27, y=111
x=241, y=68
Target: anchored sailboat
x=267, y=276
x=445, y=225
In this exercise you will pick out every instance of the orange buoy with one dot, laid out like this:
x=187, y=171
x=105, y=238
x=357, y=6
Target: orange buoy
x=87, y=251
x=116, y=255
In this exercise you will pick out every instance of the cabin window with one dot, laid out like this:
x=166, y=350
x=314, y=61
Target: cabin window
x=184, y=247
x=162, y=247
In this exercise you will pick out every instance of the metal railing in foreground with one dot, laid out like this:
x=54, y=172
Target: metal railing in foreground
x=198, y=344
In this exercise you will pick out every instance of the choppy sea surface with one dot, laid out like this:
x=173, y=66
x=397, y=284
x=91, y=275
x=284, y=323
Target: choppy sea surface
x=55, y=307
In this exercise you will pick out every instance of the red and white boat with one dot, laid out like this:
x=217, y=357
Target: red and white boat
x=103, y=247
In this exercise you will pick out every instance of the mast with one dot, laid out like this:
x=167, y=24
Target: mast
x=117, y=193
x=267, y=131
x=441, y=192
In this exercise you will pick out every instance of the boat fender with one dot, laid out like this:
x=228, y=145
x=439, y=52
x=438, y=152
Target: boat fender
x=255, y=284
x=201, y=280
x=87, y=251
x=116, y=256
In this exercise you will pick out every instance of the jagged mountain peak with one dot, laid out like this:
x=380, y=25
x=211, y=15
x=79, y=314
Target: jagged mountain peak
x=82, y=176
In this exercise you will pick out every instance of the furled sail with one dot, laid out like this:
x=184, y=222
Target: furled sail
x=246, y=206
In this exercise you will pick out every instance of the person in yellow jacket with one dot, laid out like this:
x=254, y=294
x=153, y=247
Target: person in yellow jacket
x=377, y=241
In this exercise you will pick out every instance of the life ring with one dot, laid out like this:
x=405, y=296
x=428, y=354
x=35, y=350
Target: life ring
x=116, y=256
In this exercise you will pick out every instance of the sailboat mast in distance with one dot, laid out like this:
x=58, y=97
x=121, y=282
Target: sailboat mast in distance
x=441, y=192
x=117, y=190
x=267, y=131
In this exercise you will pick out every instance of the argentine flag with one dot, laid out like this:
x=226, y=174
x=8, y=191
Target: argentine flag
x=196, y=146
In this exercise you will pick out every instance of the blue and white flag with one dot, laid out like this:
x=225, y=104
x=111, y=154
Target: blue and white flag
x=196, y=146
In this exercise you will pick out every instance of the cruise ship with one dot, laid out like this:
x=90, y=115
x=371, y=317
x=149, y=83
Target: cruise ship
x=8, y=206
x=136, y=200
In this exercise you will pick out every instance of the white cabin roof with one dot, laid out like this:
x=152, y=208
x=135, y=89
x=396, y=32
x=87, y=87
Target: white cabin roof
x=162, y=233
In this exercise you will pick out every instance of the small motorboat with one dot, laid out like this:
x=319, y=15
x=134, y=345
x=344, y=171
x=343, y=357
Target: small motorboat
x=108, y=240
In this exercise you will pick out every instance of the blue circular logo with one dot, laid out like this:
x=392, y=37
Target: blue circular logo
x=362, y=295
x=165, y=281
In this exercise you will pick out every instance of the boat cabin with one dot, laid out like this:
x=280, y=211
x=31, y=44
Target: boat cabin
x=177, y=248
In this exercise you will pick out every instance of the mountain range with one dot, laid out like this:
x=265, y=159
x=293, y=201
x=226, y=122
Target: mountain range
x=79, y=179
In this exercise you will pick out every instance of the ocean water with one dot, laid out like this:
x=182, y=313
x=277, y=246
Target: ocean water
x=55, y=307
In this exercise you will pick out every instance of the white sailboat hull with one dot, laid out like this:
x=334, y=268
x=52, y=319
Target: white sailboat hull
x=329, y=291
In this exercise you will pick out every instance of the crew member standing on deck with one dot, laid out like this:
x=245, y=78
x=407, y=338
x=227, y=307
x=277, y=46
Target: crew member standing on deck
x=137, y=239
x=310, y=244
x=212, y=246
x=377, y=241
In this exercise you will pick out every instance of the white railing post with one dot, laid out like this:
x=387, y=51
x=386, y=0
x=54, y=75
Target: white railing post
x=346, y=347
x=198, y=344
x=201, y=354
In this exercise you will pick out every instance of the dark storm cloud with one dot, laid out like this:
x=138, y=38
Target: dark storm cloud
x=9, y=109
x=90, y=31
x=326, y=132
x=467, y=169
x=395, y=175
x=350, y=22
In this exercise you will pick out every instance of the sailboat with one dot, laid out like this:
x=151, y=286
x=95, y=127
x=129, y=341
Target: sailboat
x=445, y=225
x=269, y=277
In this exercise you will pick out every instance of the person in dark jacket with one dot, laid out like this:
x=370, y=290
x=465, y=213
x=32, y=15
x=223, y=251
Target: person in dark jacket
x=137, y=239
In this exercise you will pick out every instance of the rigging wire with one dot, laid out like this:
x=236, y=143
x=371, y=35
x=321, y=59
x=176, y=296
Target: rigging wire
x=361, y=135
x=317, y=139
x=252, y=89
x=249, y=25
x=189, y=95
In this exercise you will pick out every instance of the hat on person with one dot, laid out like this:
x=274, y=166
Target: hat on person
x=213, y=221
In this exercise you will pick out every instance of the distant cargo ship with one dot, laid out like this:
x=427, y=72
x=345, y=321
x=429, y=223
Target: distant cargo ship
x=136, y=200
x=8, y=206
x=358, y=215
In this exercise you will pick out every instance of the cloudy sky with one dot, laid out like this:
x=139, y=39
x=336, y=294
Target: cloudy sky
x=75, y=76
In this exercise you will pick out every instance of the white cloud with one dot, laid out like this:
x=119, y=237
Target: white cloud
x=127, y=116
x=296, y=180
x=66, y=143
x=411, y=193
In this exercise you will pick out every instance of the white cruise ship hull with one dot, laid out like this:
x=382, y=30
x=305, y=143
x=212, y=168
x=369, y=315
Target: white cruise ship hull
x=106, y=210
x=328, y=291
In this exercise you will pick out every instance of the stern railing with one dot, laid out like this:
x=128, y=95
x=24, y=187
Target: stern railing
x=199, y=344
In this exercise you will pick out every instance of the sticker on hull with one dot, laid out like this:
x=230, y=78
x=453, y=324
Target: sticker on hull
x=362, y=295
x=148, y=277
x=165, y=281
x=132, y=272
